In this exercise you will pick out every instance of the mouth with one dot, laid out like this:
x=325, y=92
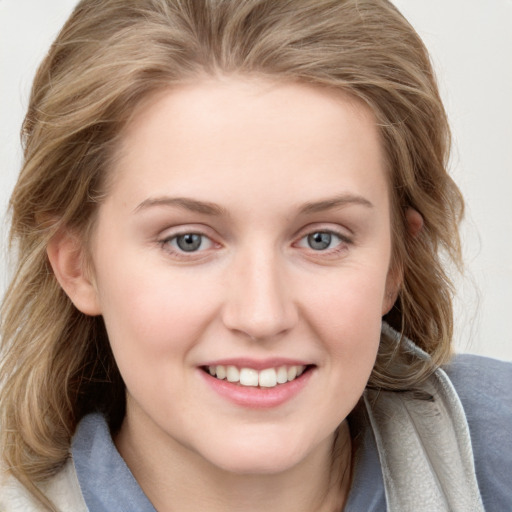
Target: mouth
x=265, y=378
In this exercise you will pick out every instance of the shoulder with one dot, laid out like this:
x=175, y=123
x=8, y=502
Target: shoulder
x=62, y=489
x=484, y=387
x=480, y=372
x=14, y=497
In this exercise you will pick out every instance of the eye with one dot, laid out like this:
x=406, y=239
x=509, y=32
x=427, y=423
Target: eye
x=321, y=240
x=189, y=242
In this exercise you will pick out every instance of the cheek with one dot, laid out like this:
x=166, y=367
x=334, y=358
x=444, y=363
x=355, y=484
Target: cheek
x=152, y=311
x=346, y=313
x=154, y=321
x=345, y=298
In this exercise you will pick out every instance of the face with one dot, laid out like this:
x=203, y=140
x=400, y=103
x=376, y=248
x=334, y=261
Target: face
x=242, y=267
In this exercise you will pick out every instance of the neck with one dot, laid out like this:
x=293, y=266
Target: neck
x=176, y=478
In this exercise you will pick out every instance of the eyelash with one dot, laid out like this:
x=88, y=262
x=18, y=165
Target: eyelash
x=169, y=243
x=343, y=241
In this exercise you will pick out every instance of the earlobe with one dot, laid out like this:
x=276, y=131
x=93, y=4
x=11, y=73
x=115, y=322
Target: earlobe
x=390, y=298
x=414, y=222
x=65, y=253
x=393, y=284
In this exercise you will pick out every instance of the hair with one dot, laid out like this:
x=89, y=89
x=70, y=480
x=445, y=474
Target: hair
x=113, y=54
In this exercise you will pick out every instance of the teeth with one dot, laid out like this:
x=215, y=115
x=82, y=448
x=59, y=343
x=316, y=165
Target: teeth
x=282, y=375
x=248, y=377
x=220, y=372
x=267, y=378
x=232, y=374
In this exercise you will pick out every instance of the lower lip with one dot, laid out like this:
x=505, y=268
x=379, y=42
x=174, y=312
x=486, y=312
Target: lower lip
x=257, y=398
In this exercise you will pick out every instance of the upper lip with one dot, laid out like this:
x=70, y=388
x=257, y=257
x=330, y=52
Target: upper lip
x=257, y=364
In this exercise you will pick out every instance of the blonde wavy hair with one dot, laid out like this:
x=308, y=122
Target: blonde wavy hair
x=111, y=55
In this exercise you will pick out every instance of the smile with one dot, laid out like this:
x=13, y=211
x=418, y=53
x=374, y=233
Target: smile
x=265, y=378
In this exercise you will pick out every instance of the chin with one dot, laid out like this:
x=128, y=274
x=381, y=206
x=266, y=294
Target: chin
x=264, y=455
x=258, y=464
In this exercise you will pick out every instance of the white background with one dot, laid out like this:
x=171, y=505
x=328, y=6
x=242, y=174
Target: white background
x=471, y=46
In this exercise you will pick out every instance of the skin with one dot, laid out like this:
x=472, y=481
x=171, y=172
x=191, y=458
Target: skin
x=275, y=162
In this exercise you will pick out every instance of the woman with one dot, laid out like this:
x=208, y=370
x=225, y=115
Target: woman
x=220, y=203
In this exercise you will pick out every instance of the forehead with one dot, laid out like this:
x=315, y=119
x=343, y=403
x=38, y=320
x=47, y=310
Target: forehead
x=224, y=133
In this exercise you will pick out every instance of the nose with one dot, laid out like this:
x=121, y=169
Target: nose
x=259, y=300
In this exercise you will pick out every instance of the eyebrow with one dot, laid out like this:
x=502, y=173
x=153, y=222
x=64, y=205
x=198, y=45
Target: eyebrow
x=207, y=208
x=334, y=202
x=185, y=203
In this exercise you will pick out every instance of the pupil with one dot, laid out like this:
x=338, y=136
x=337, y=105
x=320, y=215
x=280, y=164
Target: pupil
x=319, y=241
x=189, y=242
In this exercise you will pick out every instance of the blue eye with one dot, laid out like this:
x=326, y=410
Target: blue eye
x=189, y=242
x=321, y=240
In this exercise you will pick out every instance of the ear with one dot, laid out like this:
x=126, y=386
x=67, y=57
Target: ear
x=414, y=222
x=395, y=275
x=393, y=283
x=66, y=254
